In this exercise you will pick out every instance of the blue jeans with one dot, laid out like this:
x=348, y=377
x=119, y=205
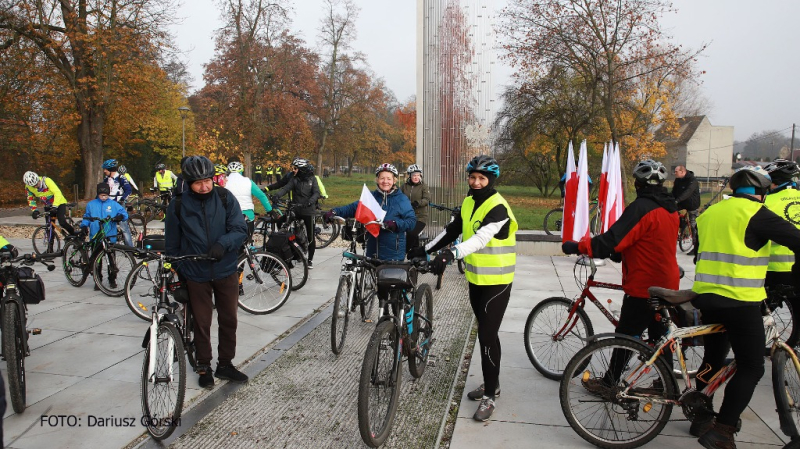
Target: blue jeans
x=126, y=232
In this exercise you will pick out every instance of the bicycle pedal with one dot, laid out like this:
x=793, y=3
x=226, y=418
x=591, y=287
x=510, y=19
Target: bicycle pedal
x=35, y=331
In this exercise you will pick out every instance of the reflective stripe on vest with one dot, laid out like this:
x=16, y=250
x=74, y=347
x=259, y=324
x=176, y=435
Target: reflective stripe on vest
x=164, y=181
x=495, y=263
x=725, y=265
x=786, y=204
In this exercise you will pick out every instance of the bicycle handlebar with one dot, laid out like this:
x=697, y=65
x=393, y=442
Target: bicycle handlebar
x=420, y=263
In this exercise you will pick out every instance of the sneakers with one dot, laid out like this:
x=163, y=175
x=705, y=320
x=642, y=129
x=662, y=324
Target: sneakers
x=477, y=394
x=113, y=284
x=206, y=377
x=485, y=410
x=229, y=372
x=310, y=265
x=597, y=387
x=719, y=436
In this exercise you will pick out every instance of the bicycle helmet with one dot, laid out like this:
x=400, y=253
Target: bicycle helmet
x=414, y=168
x=196, y=168
x=386, y=167
x=160, y=167
x=484, y=164
x=220, y=169
x=30, y=178
x=236, y=166
x=782, y=171
x=110, y=164
x=300, y=163
x=752, y=180
x=122, y=170
x=650, y=172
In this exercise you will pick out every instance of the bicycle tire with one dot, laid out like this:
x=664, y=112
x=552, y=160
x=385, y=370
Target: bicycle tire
x=786, y=387
x=423, y=330
x=14, y=352
x=264, y=286
x=141, y=288
x=299, y=268
x=379, y=384
x=341, y=314
x=368, y=290
x=552, y=223
x=685, y=242
x=548, y=356
x=783, y=315
x=162, y=400
x=324, y=233
x=462, y=266
x=40, y=243
x=75, y=263
x=123, y=265
x=601, y=418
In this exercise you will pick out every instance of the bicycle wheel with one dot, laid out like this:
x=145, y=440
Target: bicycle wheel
x=597, y=414
x=379, y=384
x=109, y=268
x=162, y=395
x=423, y=331
x=462, y=266
x=783, y=314
x=685, y=242
x=693, y=356
x=14, y=352
x=141, y=288
x=299, y=268
x=264, y=284
x=549, y=353
x=325, y=233
x=552, y=221
x=137, y=224
x=367, y=294
x=41, y=244
x=341, y=314
x=786, y=386
x=75, y=263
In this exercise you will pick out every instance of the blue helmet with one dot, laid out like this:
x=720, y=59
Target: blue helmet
x=484, y=164
x=110, y=164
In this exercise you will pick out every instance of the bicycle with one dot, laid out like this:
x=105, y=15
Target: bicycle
x=295, y=231
x=14, y=311
x=558, y=327
x=325, y=233
x=462, y=264
x=268, y=284
x=636, y=408
x=357, y=287
x=168, y=343
x=553, y=220
x=779, y=303
x=96, y=256
x=405, y=330
x=685, y=233
x=46, y=237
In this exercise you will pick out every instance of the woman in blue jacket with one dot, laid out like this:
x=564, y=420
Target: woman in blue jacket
x=400, y=218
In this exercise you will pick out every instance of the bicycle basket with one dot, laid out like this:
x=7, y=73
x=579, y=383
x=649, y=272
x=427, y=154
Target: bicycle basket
x=394, y=276
x=347, y=231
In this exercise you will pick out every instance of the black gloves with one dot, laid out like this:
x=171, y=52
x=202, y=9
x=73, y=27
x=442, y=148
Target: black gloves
x=275, y=214
x=416, y=252
x=390, y=225
x=36, y=214
x=119, y=218
x=570, y=247
x=216, y=251
x=440, y=261
x=415, y=204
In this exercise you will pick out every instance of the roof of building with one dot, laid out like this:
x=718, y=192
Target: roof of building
x=686, y=129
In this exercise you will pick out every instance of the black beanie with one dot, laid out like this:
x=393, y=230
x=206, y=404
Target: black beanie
x=103, y=188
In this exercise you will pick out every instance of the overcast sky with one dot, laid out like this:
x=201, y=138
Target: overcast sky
x=752, y=64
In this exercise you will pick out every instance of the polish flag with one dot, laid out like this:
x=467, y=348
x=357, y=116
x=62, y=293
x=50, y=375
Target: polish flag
x=581, y=225
x=601, y=193
x=570, y=195
x=369, y=210
x=615, y=198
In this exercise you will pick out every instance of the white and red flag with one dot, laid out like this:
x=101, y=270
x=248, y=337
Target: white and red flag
x=570, y=196
x=601, y=193
x=614, y=198
x=369, y=210
x=581, y=224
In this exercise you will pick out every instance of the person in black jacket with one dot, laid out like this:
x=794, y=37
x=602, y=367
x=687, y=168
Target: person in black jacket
x=686, y=191
x=305, y=193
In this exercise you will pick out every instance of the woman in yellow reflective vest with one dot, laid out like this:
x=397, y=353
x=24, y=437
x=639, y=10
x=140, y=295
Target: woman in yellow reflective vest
x=488, y=227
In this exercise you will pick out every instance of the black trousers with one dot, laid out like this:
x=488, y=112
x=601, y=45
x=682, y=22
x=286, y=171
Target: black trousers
x=308, y=220
x=61, y=213
x=258, y=178
x=489, y=304
x=635, y=316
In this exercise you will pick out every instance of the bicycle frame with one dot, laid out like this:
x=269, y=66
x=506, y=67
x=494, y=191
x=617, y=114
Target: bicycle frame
x=580, y=303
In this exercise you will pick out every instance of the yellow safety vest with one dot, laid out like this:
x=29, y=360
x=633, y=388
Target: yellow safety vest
x=3, y=241
x=786, y=204
x=494, y=264
x=725, y=265
x=164, y=181
x=258, y=169
x=322, y=192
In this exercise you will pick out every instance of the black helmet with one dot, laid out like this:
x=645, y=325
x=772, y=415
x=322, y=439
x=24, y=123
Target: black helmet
x=650, y=172
x=484, y=164
x=781, y=171
x=197, y=167
x=751, y=176
x=160, y=167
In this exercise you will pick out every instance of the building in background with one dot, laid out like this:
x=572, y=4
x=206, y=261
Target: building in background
x=703, y=148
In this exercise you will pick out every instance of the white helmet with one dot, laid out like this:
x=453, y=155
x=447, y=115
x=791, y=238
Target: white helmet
x=236, y=166
x=30, y=178
x=414, y=168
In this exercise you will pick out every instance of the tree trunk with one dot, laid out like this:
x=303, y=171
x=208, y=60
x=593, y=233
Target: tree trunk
x=90, y=141
x=248, y=169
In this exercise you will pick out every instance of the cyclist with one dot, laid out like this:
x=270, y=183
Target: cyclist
x=103, y=206
x=48, y=192
x=732, y=258
x=205, y=223
x=489, y=248
x=124, y=172
x=686, y=191
x=304, y=195
x=282, y=181
x=221, y=173
x=164, y=181
x=644, y=236
x=258, y=171
x=244, y=189
x=782, y=195
x=120, y=189
x=419, y=195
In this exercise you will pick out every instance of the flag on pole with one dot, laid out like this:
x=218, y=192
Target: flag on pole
x=581, y=224
x=614, y=198
x=601, y=193
x=369, y=210
x=570, y=196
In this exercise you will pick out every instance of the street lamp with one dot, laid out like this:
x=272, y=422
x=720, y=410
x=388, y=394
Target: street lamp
x=184, y=112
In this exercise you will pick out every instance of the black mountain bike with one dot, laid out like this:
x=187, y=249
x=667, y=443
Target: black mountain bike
x=293, y=228
x=46, y=238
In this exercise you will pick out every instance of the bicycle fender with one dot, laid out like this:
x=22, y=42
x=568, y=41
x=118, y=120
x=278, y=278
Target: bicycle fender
x=146, y=339
x=605, y=335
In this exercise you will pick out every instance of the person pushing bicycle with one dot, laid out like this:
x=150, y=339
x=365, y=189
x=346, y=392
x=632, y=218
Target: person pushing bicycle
x=46, y=190
x=686, y=191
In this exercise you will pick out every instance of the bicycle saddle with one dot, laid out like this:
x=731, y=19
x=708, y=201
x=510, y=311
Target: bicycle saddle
x=673, y=297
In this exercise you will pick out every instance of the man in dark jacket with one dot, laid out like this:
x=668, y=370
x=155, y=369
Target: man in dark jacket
x=304, y=195
x=205, y=223
x=686, y=191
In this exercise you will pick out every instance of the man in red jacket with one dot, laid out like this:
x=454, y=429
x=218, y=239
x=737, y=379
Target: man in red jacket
x=644, y=236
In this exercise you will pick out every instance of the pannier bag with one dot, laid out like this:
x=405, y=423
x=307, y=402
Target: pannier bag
x=278, y=244
x=30, y=285
x=394, y=276
x=156, y=242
